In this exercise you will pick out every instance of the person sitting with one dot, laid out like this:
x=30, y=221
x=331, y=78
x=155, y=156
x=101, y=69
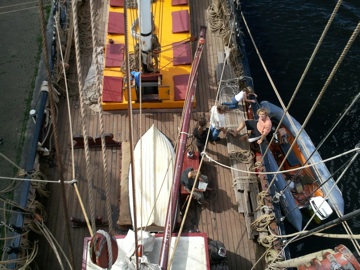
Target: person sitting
x=259, y=129
x=200, y=133
x=217, y=121
x=188, y=178
x=242, y=95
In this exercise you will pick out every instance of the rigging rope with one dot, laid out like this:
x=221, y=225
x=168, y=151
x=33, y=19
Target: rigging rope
x=89, y=174
x=356, y=149
x=55, y=246
x=101, y=120
x=73, y=182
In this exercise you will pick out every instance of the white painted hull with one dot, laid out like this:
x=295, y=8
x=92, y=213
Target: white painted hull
x=154, y=160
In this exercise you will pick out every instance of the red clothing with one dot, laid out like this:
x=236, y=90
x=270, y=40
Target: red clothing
x=264, y=127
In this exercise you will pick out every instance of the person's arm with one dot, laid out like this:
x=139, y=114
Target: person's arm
x=259, y=141
x=248, y=100
x=240, y=127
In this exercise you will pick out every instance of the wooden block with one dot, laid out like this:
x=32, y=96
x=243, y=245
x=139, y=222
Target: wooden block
x=109, y=140
x=79, y=141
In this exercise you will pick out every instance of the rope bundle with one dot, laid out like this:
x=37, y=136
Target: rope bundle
x=244, y=156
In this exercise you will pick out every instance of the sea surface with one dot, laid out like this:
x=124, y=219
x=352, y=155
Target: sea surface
x=286, y=33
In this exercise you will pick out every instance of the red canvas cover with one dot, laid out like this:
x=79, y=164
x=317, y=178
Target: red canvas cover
x=114, y=55
x=116, y=23
x=180, y=85
x=116, y=3
x=181, y=53
x=112, y=89
x=179, y=2
x=180, y=21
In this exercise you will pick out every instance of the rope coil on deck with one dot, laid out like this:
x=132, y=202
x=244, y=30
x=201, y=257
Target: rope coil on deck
x=244, y=156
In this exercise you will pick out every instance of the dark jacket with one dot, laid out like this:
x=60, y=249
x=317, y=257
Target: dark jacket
x=201, y=138
x=185, y=180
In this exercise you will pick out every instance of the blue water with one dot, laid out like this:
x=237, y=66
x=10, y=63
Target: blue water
x=286, y=33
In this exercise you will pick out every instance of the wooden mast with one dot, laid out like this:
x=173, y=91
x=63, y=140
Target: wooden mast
x=190, y=95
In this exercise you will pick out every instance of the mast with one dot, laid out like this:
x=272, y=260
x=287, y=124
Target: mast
x=146, y=28
x=190, y=95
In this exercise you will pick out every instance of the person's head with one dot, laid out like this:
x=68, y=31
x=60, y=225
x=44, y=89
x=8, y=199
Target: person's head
x=222, y=109
x=248, y=90
x=202, y=121
x=262, y=113
x=192, y=174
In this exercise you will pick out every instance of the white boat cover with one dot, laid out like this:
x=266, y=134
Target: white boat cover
x=154, y=160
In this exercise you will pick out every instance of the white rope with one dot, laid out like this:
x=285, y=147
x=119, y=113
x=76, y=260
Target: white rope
x=284, y=171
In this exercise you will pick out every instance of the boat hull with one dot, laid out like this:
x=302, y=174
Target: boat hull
x=287, y=201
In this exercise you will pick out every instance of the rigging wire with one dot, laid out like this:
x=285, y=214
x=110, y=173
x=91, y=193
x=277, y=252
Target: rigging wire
x=131, y=128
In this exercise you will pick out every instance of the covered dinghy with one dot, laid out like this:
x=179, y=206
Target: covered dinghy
x=154, y=160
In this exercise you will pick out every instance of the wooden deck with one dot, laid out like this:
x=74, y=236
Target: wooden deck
x=221, y=220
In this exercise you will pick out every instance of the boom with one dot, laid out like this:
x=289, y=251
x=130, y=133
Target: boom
x=190, y=95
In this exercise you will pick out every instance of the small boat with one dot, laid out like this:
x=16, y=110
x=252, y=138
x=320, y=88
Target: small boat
x=154, y=160
x=303, y=188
